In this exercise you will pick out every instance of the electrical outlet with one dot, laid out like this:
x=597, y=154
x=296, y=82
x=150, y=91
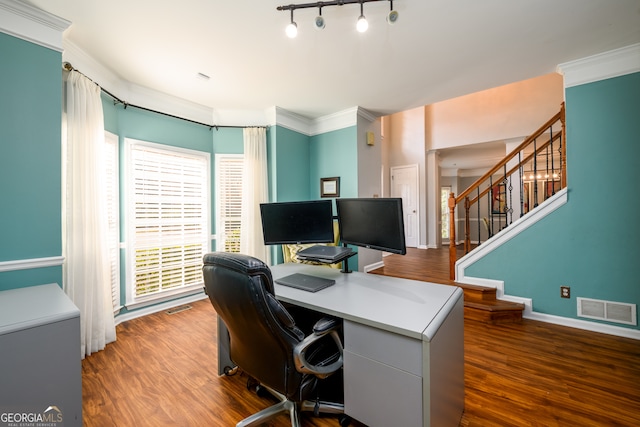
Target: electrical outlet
x=565, y=292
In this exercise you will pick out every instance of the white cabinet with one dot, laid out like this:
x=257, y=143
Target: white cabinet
x=40, y=361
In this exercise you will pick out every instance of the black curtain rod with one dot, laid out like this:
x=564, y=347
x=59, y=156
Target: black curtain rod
x=67, y=66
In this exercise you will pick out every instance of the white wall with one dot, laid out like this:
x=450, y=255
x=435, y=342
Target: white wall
x=406, y=140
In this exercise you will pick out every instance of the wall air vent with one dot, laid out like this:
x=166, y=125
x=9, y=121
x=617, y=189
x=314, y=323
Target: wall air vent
x=610, y=311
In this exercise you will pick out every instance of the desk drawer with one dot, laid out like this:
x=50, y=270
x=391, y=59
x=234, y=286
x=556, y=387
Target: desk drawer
x=380, y=395
x=386, y=347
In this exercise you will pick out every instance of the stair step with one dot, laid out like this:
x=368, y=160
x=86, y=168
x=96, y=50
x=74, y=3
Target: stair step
x=493, y=311
x=480, y=304
x=477, y=293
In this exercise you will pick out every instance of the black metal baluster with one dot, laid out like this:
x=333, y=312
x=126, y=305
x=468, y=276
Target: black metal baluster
x=553, y=168
x=561, y=159
x=535, y=174
x=490, y=196
x=521, y=184
x=508, y=215
x=479, y=219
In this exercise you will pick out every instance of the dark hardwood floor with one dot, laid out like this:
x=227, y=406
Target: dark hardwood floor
x=162, y=372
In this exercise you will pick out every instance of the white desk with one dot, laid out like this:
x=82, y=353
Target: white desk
x=404, y=342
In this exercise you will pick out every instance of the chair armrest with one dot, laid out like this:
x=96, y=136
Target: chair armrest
x=323, y=327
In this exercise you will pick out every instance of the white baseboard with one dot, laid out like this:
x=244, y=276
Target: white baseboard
x=585, y=325
x=375, y=265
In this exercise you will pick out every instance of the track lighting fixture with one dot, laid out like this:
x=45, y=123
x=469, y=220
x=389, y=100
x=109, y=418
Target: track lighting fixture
x=319, y=23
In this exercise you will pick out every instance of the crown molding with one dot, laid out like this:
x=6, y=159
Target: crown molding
x=310, y=127
x=336, y=121
x=32, y=24
x=367, y=115
x=606, y=65
x=280, y=117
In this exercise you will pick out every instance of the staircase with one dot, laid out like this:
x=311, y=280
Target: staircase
x=531, y=173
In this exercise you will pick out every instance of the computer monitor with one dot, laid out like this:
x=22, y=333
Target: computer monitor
x=375, y=223
x=297, y=222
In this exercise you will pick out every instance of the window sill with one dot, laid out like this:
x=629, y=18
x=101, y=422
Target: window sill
x=159, y=298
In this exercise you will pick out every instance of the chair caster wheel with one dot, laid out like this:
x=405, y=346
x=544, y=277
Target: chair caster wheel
x=344, y=421
x=229, y=371
x=252, y=385
x=262, y=391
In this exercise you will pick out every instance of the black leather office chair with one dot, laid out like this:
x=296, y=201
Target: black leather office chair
x=266, y=343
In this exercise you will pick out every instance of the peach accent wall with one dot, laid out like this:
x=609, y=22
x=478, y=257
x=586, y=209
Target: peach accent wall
x=495, y=114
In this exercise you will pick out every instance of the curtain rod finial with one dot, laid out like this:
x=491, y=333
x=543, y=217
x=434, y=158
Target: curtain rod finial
x=67, y=66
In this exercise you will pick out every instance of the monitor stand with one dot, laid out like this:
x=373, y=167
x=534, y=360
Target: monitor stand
x=345, y=262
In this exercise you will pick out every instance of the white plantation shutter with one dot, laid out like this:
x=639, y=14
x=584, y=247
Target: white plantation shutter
x=110, y=157
x=168, y=215
x=228, y=201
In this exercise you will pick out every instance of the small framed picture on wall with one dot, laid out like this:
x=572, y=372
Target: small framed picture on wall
x=330, y=187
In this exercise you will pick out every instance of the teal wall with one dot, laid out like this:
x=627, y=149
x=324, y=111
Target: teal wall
x=335, y=153
x=289, y=162
x=30, y=157
x=590, y=243
x=30, y=162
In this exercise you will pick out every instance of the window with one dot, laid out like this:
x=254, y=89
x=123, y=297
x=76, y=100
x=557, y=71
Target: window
x=228, y=201
x=110, y=156
x=168, y=220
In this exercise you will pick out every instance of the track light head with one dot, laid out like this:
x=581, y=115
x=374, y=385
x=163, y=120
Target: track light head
x=292, y=28
x=362, y=25
x=392, y=17
x=319, y=21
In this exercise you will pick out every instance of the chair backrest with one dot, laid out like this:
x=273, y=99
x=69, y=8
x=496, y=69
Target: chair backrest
x=262, y=333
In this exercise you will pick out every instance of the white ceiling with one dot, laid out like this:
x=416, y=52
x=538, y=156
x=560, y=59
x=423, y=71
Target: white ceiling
x=438, y=49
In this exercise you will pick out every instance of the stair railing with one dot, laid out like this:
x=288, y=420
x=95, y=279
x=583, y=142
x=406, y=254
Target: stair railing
x=531, y=173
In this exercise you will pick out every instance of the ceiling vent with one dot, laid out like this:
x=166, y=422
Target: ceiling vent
x=610, y=311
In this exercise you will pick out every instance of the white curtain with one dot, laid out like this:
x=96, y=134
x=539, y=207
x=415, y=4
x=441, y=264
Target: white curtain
x=255, y=190
x=86, y=270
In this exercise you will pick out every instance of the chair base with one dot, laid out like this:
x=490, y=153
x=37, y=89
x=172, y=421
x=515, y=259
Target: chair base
x=294, y=409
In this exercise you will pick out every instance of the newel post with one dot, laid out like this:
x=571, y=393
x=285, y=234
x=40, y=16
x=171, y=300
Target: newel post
x=452, y=236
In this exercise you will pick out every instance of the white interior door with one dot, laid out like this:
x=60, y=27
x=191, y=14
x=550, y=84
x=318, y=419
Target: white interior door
x=404, y=184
